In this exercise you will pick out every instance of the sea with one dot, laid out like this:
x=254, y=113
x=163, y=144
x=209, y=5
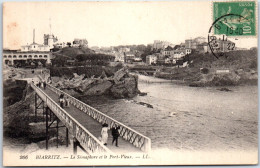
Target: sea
x=175, y=116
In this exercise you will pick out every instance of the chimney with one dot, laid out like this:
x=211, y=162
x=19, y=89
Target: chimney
x=33, y=35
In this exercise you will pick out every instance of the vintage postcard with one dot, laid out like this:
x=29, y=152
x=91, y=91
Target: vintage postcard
x=130, y=83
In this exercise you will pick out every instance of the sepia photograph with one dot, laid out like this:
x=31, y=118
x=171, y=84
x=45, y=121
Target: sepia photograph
x=126, y=83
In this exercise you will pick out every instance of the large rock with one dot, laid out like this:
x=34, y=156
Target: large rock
x=85, y=85
x=216, y=80
x=120, y=85
x=99, y=89
x=119, y=75
x=77, y=78
x=55, y=79
x=126, y=88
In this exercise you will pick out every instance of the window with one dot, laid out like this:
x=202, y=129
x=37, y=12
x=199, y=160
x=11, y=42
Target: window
x=40, y=56
x=14, y=56
x=5, y=56
x=45, y=56
x=25, y=56
x=30, y=56
x=20, y=56
x=36, y=56
x=9, y=56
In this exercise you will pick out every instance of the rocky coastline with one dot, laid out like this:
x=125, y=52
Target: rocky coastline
x=197, y=78
x=121, y=84
x=23, y=128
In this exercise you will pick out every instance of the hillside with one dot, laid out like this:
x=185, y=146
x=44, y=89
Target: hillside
x=232, y=60
x=73, y=51
x=202, y=69
x=79, y=57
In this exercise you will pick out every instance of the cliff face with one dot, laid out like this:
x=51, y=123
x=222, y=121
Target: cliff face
x=120, y=85
x=16, y=116
x=21, y=126
x=13, y=91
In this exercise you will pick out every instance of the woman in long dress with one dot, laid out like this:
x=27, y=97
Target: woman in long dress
x=104, y=134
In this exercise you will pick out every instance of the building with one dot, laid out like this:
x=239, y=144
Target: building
x=203, y=48
x=35, y=46
x=119, y=57
x=179, y=54
x=161, y=44
x=171, y=55
x=123, y=50
x=200, y=40
x=164, y=61
x=193, y=43
x=60, y=45
x=129, y=57
x=167, y=52
x=80, y=42
x=34, y=51
x=11, y=57
x=49, y=40
x=151, y=59
x=188, y=51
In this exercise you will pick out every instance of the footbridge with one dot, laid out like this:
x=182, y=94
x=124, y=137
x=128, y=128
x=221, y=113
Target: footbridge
x=84, y=124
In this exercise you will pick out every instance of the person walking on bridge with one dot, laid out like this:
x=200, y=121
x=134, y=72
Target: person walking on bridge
x=115, y=134
x=66, y=101
x=44, y=85
x=61, y=100
x=104, y=134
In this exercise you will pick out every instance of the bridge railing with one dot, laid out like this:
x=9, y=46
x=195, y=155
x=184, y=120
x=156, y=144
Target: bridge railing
x=130, y=135
x=88, y=141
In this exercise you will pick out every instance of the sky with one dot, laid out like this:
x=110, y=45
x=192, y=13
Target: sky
x=108, y=23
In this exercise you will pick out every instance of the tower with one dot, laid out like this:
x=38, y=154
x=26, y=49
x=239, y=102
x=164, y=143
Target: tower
x=50, y=40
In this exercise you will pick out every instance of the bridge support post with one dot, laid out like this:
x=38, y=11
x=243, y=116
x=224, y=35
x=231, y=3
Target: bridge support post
x=50, y=116
x=35, y=105
x=67, y=137
x=57, y=128
x=75, y=144
x=47, y=127
x=147, y=146
x=39, y=104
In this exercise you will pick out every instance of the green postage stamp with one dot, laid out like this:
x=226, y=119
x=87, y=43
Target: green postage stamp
x=236, y=18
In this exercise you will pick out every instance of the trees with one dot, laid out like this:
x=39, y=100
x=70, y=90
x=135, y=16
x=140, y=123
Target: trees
x=148, y=51
x=81, y=57
x=95, y=59
x=59, y=60
x=69, y=44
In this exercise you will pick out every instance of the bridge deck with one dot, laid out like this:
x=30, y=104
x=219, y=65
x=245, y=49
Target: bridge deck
x=94, y=127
